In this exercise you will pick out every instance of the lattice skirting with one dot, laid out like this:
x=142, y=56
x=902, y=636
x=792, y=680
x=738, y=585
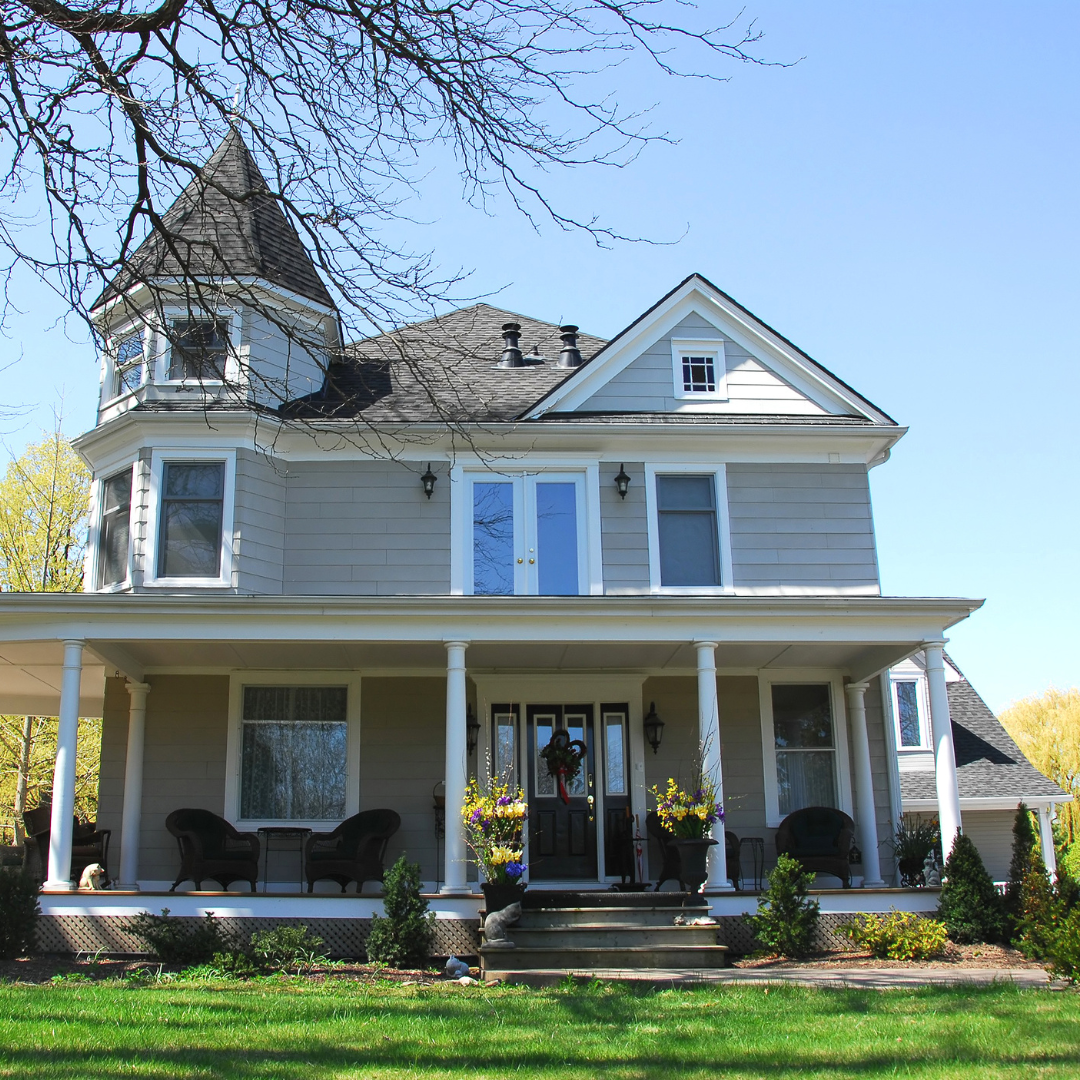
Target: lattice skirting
x=345, y=938
x=739, y=938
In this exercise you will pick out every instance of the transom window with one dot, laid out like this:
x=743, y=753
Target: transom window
x=199, y=350
x=293, y=754
x=189, y=531
x=115, y=530
x=699, y=374
x=128, y=356
x=805, y=746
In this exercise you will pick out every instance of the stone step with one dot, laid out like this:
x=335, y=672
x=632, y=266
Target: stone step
x=585, y=959
x=611, y=935
x=656, y=915
x=562, y=898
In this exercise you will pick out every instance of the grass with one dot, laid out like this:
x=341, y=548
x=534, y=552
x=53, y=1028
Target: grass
x=290, y=1028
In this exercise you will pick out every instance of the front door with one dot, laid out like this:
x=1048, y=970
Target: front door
x=562, y=836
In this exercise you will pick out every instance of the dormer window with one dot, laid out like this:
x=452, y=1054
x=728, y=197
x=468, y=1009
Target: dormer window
x=200, y=348
x=699, y=370
x=128, y=363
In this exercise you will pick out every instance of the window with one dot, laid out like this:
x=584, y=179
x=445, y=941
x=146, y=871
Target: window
x=615, y=771
x=190, y=522
x=293, y=753
x=114, y=533
x=200, y=348
x=505, y=752
x=805, y=746
x=699, y=370
x=128, y=364
x=687, y=530
x=699, y=374
x=910, y=713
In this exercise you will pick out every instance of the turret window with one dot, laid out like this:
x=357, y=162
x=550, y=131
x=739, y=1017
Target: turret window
x=115, y=530
x=192, y=500
x=200, y=348
x=128, y=357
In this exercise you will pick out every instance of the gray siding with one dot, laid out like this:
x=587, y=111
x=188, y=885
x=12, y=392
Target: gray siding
x=647, y=384
x=259, y=523
x=991, y=832
x=624, y=534
x=280, y=367
x=365, y=528
x=802, y=525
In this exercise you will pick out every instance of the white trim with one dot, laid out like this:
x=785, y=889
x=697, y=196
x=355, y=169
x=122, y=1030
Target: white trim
x=1033, y=802
x=723, y=526
x=161, y=360
x=710, y=348
x=766, y=680
x=237, y=681
x=110, y=394
x=158, y=460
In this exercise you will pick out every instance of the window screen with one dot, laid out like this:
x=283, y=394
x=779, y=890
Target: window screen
x=687, y=528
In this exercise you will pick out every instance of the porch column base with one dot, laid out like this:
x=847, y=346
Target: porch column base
x=58, y=887
x=456, y=890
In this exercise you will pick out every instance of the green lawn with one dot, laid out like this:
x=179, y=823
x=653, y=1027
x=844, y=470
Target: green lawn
x=292, y=1029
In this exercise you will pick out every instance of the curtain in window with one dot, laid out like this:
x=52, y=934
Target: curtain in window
x=805, y=746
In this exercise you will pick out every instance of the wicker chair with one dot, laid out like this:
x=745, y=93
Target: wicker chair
x=354, y=851
x=820, y=837
x=89, y=844
x=210, y=847
x=671, y=870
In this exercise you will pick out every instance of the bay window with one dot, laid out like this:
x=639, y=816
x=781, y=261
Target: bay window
x=114, y=530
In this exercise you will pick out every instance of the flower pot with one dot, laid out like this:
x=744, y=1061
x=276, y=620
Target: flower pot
x=497, y=895
x=911, y=872
x=694, y=859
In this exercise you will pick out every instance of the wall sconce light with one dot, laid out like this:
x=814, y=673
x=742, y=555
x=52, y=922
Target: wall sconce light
x=472, y=730
x=428, y=480
x=622, y=482
x=654, y=728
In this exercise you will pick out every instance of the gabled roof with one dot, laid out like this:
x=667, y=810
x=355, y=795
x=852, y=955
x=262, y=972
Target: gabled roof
x=989, y=764
x=443, y=369
x=226, y=225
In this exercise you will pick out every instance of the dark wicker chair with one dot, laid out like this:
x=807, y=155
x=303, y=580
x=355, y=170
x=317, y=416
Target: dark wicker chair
x=210, y=847
x=671, y=870
x=820, y=837
x=354, y=851
x=88, y=844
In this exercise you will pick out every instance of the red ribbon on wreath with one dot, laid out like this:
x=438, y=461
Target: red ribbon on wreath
x=563, y=759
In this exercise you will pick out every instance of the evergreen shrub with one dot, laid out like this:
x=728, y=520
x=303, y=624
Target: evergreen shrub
x=19, y=913
x=1065, y=948
x=970, y=906
x=1023, y=849
x=899, y=935
x=287, y=948
x=406, y=936
x=175, y=940
x=786, y=917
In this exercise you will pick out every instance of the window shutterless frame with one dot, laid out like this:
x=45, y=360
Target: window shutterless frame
x=910, y=711
x=126, y=362
x=699, y=369
x=113, y=542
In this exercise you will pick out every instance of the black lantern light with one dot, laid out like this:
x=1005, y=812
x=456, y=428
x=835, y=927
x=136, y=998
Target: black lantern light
x=428, y=480
x=622, y=481
x=654, y=728
x=472, y=730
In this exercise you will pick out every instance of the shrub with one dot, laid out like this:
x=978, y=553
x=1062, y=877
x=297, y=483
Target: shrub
x=406, y=936
x=970, y=906
x=177, y=941
x=287, y=948
x=900, y=935
x=786, y=917
x=1023, y=848
x=19, y=913
x=1064, y=955
x=1041, y=909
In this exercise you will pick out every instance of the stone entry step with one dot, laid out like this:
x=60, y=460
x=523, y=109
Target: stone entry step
x=619, y=935
x=585, y=959
x=657, y=915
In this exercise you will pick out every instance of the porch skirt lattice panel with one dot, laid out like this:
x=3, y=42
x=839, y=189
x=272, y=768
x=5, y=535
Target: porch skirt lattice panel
x=345, y=938
x=739, y=938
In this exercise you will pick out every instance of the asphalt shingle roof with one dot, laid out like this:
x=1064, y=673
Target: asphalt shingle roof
x=443, y=369
x=225, y=225
x=989, y=765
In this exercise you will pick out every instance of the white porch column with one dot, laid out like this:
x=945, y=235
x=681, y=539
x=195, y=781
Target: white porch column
x=709, y=736
x=63, y=793
x=864, y=785
x=133, y=784
x=948, y=793
x=1046, y=838
x=457, y=767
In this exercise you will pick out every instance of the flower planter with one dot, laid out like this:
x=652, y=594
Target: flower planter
x=694, y=857
x=498, y=895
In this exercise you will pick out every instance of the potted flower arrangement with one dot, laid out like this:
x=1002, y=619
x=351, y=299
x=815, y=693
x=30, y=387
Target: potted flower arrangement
x=689, y=815
x=563, y=760
x=914, y=839
x=495, y=832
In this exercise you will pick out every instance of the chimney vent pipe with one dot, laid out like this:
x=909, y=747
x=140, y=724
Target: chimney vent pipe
x=511, y=356
x=570, y=356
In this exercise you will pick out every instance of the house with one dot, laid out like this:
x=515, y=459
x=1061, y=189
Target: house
x=325, y=579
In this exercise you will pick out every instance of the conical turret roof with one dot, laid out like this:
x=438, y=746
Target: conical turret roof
x=226, y=225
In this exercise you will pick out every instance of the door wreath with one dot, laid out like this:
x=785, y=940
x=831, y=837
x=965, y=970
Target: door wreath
x=563, y=759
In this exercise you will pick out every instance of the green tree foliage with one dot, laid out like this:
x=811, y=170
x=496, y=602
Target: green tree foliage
x=1023, y=851
x=970, y=906
x=406, y=936
x=786, y=917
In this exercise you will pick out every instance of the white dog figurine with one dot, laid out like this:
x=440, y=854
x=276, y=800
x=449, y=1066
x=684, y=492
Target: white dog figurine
x=93, y=877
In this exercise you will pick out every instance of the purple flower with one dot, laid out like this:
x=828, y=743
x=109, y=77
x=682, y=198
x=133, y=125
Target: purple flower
x=514, y=869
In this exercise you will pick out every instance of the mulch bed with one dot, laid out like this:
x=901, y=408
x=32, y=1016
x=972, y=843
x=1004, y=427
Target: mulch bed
x=967, y=956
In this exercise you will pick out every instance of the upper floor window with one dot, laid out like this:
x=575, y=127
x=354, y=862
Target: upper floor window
x=699, y=369
x=687, y=528
x=128, y=364
x=115, y=529
x=910, y=713
x=200, y=348
x=190, y=523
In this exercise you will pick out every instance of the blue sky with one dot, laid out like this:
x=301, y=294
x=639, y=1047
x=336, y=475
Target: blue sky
x=901, y=204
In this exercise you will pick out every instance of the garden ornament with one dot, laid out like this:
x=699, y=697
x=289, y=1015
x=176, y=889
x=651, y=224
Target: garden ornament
x=495, y=927
x=455, y=968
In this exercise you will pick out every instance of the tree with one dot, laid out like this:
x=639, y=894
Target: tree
x=44, y=504
x=108, y=108
x=1046, y=727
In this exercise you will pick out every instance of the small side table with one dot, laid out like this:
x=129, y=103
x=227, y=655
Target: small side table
x=756, y=844
x=287, y=832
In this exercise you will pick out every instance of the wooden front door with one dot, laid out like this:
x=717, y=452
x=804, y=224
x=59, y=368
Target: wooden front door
x=562, y=837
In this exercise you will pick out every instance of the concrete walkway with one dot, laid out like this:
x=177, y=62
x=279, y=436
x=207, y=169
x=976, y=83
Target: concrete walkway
x=808, y=975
